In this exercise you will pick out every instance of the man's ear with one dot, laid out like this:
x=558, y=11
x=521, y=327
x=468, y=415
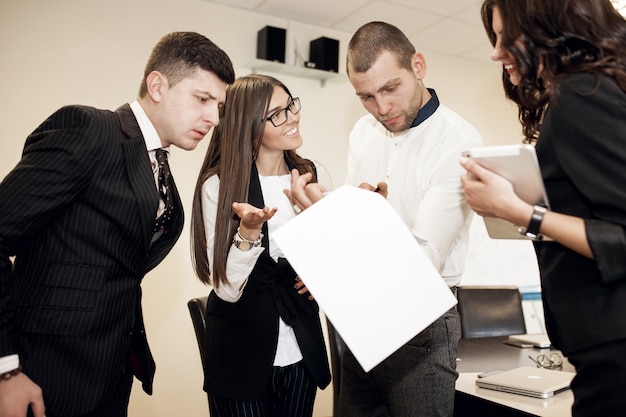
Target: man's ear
x=156, y=83
x=419, y=65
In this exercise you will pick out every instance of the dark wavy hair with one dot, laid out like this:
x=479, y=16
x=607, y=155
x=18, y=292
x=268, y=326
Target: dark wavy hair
x=233, y=149
x=550, y=39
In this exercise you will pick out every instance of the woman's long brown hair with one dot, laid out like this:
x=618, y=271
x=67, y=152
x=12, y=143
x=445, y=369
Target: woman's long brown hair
x=233, y=149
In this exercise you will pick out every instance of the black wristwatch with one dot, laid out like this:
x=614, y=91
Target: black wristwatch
x=532, y=231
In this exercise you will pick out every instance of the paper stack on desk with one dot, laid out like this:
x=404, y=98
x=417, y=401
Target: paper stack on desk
x=366, y=271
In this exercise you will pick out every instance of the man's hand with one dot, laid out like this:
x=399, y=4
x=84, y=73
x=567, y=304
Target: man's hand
x=304, y=193
x=381, y=188
x=17, y=394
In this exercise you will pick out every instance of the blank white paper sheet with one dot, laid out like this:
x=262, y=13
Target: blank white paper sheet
x=366, y=271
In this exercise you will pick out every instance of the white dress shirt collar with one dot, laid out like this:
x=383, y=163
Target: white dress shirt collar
x=150, y=135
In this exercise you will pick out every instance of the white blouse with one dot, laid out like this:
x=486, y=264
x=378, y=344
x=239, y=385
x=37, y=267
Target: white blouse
x=240, y=263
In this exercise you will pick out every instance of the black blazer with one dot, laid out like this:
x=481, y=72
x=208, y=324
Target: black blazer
x=582, y=154
x=242, y=337
x=77, y=213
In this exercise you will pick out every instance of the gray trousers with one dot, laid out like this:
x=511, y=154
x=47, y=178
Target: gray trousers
x=415, y=381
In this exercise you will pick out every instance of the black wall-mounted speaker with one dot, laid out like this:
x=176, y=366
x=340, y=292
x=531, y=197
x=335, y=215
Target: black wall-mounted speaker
x=271, y=44
x=325, y=53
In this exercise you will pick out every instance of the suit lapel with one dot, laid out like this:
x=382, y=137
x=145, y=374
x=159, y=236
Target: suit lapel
x=255, y=198
x=139, y=170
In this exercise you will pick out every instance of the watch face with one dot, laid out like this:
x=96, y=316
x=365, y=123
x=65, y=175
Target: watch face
x=243, y=245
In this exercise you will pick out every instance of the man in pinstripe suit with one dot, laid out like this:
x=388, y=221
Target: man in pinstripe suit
x=76, y=236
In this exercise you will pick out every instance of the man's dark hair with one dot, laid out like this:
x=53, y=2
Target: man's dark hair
x=179, y=54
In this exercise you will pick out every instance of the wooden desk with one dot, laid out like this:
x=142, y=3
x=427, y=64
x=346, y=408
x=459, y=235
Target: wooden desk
x=486, y=354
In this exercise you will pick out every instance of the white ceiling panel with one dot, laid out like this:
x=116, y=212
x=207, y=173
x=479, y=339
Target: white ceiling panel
x=242, y=4
x=440, y=7
x=470, y=14
x=318, y=12
x=449, y=27
x=450, y=37
x=407, y=19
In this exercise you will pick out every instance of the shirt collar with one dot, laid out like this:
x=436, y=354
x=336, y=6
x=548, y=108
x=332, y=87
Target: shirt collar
x=150, y=135
x=428, y=109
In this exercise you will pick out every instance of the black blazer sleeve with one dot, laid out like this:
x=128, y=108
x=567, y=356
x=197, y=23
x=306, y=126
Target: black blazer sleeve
x=76, y=217
x=582, y=154
x=57, y=164
x=589, y=114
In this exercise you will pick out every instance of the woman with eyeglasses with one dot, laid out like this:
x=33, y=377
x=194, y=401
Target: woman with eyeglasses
x=564, y=65
x=265, y=351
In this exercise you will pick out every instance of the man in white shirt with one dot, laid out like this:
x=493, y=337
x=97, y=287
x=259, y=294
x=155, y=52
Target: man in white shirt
x=408, y=148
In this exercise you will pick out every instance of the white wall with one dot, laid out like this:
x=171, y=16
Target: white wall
x=91, y=52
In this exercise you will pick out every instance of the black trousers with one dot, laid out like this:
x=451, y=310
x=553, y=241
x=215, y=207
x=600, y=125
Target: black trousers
x=115, y=406
x=290, y=393
x=600, y=379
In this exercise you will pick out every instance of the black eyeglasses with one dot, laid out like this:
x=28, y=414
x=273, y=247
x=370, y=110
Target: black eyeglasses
x=552, y=361
x=280, y=117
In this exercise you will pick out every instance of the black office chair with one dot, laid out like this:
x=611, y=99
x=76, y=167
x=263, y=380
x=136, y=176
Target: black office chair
x=336, y=350
x=488, y=311
x=197, y=310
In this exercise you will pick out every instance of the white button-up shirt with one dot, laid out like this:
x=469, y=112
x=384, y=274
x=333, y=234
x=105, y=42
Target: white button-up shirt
x=422, y=170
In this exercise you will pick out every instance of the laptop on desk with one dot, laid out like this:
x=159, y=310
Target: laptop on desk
x=528, y=381
x=537, y=340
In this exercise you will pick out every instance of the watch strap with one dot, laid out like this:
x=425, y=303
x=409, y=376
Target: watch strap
x=532, y=231
x=244, y=244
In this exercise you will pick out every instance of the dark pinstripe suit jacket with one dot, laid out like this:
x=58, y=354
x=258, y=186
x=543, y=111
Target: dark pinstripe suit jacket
x=77, y=214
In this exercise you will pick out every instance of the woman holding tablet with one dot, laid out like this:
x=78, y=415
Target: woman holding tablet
x=564, y=65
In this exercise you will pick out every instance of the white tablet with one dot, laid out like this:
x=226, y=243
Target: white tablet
x=519, y=165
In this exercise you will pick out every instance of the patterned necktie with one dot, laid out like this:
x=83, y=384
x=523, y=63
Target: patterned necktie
x=164, y=189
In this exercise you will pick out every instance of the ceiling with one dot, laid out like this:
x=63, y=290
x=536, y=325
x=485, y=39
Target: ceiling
x=449, y=27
